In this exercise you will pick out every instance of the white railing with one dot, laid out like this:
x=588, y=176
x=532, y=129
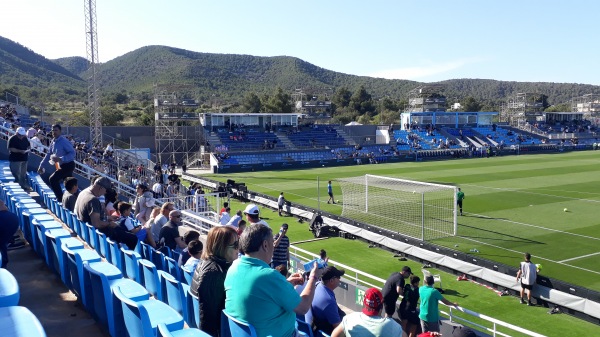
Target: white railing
x=495, y=323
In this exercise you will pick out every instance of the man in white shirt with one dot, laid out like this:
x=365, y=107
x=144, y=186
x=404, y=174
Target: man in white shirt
x=252, y=217
x=528, y=275
x=161, y=219
x=157, y=188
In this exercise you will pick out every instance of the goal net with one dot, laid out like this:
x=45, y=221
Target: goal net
x=420, y=210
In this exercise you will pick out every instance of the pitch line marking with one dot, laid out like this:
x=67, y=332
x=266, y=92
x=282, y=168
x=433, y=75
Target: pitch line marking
x=534, y=193
x=535, y=226
x=579, y=257
x=537, y=257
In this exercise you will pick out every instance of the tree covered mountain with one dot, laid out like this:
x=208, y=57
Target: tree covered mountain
x=227, y=78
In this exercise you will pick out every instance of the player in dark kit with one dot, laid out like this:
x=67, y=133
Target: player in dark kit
x=460, y=195
x=394, y=286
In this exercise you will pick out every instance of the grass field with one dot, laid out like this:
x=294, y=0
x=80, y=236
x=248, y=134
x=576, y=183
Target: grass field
x=513, y=204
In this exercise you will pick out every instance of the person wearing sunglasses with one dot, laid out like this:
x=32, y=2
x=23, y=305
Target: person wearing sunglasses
x=222, y=247
x=169, y=233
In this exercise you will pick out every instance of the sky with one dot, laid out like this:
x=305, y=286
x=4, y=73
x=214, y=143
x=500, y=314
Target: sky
x=421, y=40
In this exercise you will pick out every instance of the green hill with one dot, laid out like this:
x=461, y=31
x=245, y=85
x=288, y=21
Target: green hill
x=230, y=76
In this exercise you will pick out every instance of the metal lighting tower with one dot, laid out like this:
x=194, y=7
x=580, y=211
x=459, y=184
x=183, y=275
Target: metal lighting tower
x=92, y=56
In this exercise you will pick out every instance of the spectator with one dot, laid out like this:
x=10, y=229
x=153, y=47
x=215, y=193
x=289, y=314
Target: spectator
x=280, y=203
x=225, y=205
x=252, y=216
x=188, y=237
x=10, y=224
x=127, y=223
x=18, y=148
x=144, y=202
x=527, y=274
x=241, y=227
x=429, y=311
x=157, y=189
x=235, y=220
x=393, y=287
x=36, y=142
x=281, y=253
x=408, y=311
x=258, y=294
x=88, y=209
x=110, y=200
x=169, y=233
x=161, y=219
x=71, y=193
x=194, y=249
x=325, y=314
x=208, y=281
x=369, y=322
x=155, y=213
x=225, y=217
x=323, y=258
x=61, y=154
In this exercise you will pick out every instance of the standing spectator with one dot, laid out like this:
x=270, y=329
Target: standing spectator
x=222, y=247
x=325, y=314
x=429, y=310
x=527, y=274
x=369, y=322
x=62, y=155
x=89, y=209
x=157, y=189
x=252, y=215
x=183, y=168
x=36, y=142
x=9, y=225
x=144, y=202
x=71, y=193
x=460, y=195
x=393, y=287
x=257, y=294
x=225, y=217
x=281, y=253
x=235, y=220
x=408, y=311
x=161, y=219
x=330, y=192
x=280, y=203
x=323, y=258
x=18, y=148
x=169, y=233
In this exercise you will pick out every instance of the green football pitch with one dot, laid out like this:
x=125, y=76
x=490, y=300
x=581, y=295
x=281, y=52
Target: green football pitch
x=513, y=204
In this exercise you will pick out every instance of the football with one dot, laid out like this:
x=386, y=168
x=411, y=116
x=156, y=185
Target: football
x=565, y=210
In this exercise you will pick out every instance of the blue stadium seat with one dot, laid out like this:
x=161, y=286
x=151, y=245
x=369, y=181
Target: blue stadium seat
x=75, y=260
x=149, y=277
x=102, y=247
x=131, y=264
x=52, y=250
x=163, y=331
x=172, y=267
x=19, y=321
x=39, y=229
x=169, y=292
x=193, y=308
x=142, y=318
x=231, y=327
x=9, y=289
x=183, y=295
x=116, y=256
x=187, y=276
x=71, y=244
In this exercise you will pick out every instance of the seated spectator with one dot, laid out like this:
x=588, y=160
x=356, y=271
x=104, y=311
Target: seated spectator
x=209, y=278
x=325, y=314
x=251, y=283
x=71, y=193
x=194, y=249
x=126, y=222
x=144, y=202
x=161, y=220
x=187, y=238
x=110, y=199
x=235, y=220
x=88, y=209
x=369, y=322
x=169, y=233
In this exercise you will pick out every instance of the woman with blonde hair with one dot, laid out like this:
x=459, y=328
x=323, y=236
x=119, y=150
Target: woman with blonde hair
x=208, y=283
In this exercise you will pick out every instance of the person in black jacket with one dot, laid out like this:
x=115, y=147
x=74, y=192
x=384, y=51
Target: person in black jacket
x=222, y=247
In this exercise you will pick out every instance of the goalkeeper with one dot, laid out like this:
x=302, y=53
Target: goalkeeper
x=460, y=195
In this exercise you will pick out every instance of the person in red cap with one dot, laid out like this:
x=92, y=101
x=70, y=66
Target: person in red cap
x=369, y=322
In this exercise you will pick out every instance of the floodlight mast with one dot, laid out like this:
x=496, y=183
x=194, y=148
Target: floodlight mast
x=92, y=80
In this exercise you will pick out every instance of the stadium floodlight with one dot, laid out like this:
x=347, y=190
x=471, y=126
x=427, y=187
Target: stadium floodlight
x=417, y=209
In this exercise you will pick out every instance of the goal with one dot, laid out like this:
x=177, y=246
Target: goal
x=417, y=209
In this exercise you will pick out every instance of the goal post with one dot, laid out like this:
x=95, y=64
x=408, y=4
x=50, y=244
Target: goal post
x=417, y=209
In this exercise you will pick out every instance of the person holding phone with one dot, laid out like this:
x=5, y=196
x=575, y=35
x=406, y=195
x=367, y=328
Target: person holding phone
x=281, y=248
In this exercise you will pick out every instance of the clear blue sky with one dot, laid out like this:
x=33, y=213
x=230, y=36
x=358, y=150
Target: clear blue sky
x=422, y=40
